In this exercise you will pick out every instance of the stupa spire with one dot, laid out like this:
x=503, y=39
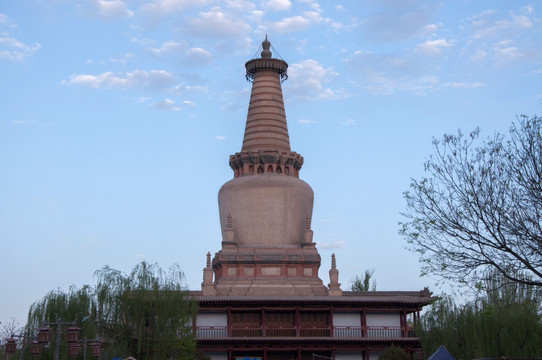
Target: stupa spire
x=266, y=119
x=266, y=143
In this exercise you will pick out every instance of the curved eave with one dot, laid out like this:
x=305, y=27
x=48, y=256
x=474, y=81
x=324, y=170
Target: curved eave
x=370, y=300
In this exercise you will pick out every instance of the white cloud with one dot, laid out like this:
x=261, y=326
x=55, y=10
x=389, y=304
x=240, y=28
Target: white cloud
x=329, y=246
x=153, y=79
x=506, y=53
x=189, y=103
x=123, y=58
x=167, y=47
x=527, y=9
x=220, y=137
x=380, y=84
x=142, y=99
x=276, y=5
x=433, y=47
x=485, y=26
x=109, y=9
x=14, y=50
x=166, y=104
x=245, y=6
x=388, y=73
x=11, y=48
x=479, y=55
x=397, y=21
x=462, y=85
x=290, y=24
x=307, y=80
x=216, y=23
x=197, y=56
x=19, y=122
x=349, y=122
x=198, y=88
x=306, y=121
x=5, y=21
x=24, y=122
x=156, y=10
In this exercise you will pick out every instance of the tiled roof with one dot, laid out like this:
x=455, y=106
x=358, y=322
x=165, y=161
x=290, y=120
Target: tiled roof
x=348, y=298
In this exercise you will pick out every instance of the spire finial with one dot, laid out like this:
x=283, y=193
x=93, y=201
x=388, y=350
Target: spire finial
x=266, y=54
x=333, y=261
x=208, y=262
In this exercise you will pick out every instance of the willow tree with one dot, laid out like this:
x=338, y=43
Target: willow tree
x=505, y=321
x=359, y=284
x=146, y=314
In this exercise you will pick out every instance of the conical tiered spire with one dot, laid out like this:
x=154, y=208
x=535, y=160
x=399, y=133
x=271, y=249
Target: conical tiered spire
x=266, y=143
x=266, y=120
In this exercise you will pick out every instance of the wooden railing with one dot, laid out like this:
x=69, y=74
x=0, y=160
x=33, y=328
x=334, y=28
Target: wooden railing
x=280, y=331
x=384, y=332
x=315, y=332
x=246, y=331
x=345, y=332
x=211, y=332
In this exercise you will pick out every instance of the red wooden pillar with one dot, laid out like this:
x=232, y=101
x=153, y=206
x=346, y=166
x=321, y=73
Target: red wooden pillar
x=263, y=324
x=402, y=324
x=228, y=323
x=330, y=325
x=405, y=325
x=364, y=323
x=297, y=326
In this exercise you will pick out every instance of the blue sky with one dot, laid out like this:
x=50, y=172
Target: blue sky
x=118, y=118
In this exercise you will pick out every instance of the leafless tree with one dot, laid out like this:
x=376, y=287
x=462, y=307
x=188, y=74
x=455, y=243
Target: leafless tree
x=479, y=208
x=9, y=329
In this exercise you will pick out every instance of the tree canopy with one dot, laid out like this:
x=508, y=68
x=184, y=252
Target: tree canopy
x=359, y=284
x=505, y=322
x=479, y=208
x=146, y=314
x=393, y=352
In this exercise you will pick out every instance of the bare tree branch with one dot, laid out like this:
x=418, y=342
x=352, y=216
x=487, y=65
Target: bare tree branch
x=480, y=207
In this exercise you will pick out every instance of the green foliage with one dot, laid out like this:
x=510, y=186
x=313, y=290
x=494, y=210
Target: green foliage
x=393, y=353
x=364, y=284
x=146, y=314
x=478, y=208
x=504, y=322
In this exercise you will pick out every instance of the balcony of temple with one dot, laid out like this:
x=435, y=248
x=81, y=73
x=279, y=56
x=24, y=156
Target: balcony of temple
x=301, y=323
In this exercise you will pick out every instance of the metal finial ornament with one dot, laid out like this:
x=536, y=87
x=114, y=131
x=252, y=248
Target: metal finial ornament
x=208, y=262
x=333, y=262
x=266, y=63
x=266, y=45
